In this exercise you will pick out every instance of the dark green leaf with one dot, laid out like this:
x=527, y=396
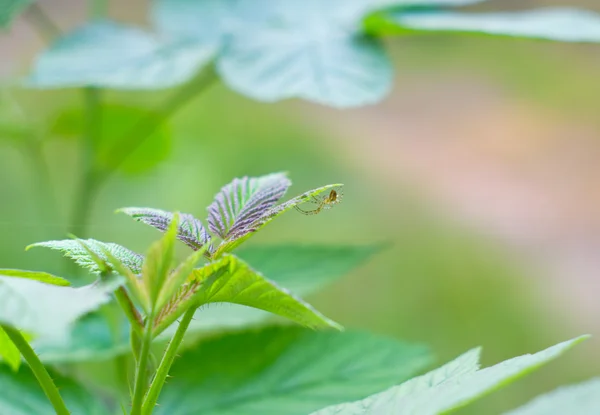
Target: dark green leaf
x=285, y=371
x=452, y=386
x=580, y=399
x=9, y=9
x=110, y=55
x=561, y=24
x=74, y=250
x=22, y=395
x=118, y=122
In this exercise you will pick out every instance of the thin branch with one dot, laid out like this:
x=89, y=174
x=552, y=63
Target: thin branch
x=38, y=369
x=141, y=375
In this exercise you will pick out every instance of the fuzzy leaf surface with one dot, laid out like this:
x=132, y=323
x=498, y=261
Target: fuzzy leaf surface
x=72, y=249
x=231, y=280
x=49, y=311
x=190, y=230
x=21, y=395
x=452, y=386
x=297, y=372
x=580, y=399
x=107, y=54
x=560, y=24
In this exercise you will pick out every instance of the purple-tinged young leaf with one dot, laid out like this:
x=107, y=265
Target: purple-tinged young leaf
x=243, y=201
x=190, y=230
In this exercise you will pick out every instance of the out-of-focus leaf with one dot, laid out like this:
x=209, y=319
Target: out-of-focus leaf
x=452, y=386
x=234, y=240
x=9, y=9
x=580, y=399
x=285, y=371
x=243, y=201
x=190, y=231
x=9, y=352
x=118, y=121
x=22, y=395
x=110, y=55
x=74, y=250
x=49, y=311
x=35, y=276
x=231, y=280
x=561, y=24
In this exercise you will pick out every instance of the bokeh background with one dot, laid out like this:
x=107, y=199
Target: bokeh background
x=482, y=168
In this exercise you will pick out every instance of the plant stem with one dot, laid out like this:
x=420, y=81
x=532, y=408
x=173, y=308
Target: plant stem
x=134, y=317
x=38, y=369
x=98, y=8
x=165, y=364
x=88, y=183
x=141, y=370
x=42, y=23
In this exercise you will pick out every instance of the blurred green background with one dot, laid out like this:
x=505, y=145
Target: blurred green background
x=481, y=168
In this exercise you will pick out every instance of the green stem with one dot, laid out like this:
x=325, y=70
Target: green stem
x=98, y=8
x=38, y=369
x=141, y=375
x=165, y=364
x=134, y=317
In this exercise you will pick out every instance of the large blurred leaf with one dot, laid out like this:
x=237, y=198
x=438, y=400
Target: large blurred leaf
x=74, y=250
x=190, y=230
x=118, y=122
x=562, y=24
x=243, y=201
x=22, y=395
x=231, y=280
x=9, y=352
x=450, y=387
x=49, y=311
x=9, y=9
x=111, y=55
x=581, y=399
x=285, y=371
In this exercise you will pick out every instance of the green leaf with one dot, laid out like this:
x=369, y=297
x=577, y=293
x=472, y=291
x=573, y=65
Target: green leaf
x=561, y=24
x=118, y=122
x=190, y=231
x=243, y=201
x=72, y=249
x=49, y=311
x=285, y=371
x=21, y=395
x=231, y=280
x=110, y=55
x=580, y=399
x=235, y=239
x=9, y=352
x=450, y=387
x=9, y=9
x=35, y=276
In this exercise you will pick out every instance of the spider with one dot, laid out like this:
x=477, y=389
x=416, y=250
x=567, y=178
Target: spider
x=323, y=201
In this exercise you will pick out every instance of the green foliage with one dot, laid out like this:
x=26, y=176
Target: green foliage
x=9, y=352
x=35, y=276
x=118, y=123
x=22, y=396
x=580, y=399
x=450, y=387
x=49, y=311
x=231, y=280
x=108, y=54
x=74, y=250
x=11, y=8
x=285, y=371
x=561, y=24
